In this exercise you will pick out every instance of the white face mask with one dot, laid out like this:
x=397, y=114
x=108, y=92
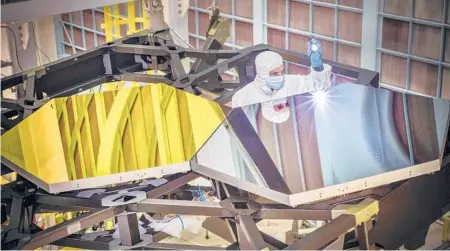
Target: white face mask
x=275, y=82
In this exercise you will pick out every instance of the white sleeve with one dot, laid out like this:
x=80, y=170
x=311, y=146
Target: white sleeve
x=247, y=95
x=236, y=100
x=298, y=84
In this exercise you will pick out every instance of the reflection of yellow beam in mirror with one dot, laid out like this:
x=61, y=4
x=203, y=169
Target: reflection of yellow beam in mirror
x=166, y=102
x=36, y=145
x=7, y=178
x=210, y=117
x=111, y=132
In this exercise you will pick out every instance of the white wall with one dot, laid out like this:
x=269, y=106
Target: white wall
x=46, y=38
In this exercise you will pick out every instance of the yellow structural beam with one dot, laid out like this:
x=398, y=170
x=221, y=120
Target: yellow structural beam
x=114, y=23
x=446, y=228
x=131, y=18
x=363, y=211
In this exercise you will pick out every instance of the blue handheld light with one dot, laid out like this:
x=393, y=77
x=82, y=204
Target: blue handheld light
x=315, y=54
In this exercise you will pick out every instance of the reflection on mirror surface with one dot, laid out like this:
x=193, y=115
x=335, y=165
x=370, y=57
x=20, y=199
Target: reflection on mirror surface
x=345, y=134
x=111, y=132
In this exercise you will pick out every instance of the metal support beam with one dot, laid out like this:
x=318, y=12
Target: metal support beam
x=30, y=94
x=325, y=234
x=244, y=131
x=168, y=246
x=67, y=228
x=6, y=63
x=211, y=55
x=68, y=201
x=82, y=244
x=122, y=59
x=10, y=104
x=444, y=246
x=375, y=193
x=274, y=242
x=216, y=37
x=206, y=208
x=220, y=227
x=337, y=244
x=281, y=212
x=418, y=240
x=350, y=216
x=102, y=245
x=140, y=50
x=250, y=232
x=143, y=78
x=160, y=236
x=172, y=185
x=243, y=243
x=399, y=218
x=362, y=232
x=128, y=229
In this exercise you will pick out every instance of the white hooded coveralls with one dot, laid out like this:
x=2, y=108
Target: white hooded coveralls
x=258, y=91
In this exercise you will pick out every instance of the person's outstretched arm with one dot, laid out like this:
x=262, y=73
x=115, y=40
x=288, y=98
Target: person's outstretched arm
x=298, y=84
x=319, y=77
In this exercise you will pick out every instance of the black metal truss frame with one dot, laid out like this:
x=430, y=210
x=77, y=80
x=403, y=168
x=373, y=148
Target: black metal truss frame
x=234, y=218
x=126, y=59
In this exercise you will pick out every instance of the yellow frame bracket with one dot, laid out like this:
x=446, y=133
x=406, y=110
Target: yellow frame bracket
x=363, y=211
x=446, y=227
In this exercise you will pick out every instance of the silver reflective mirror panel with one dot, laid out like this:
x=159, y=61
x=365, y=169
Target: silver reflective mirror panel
x=346, y=133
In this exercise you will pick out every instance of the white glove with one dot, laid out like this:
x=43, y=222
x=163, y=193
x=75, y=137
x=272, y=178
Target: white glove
x=322, y=79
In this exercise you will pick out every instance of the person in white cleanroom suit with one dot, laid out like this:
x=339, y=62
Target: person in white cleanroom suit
x=271, y=87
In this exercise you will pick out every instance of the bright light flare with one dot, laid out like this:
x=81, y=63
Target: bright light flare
x=320, y=98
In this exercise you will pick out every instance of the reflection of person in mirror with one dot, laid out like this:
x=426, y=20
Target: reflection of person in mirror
x=271, y=87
